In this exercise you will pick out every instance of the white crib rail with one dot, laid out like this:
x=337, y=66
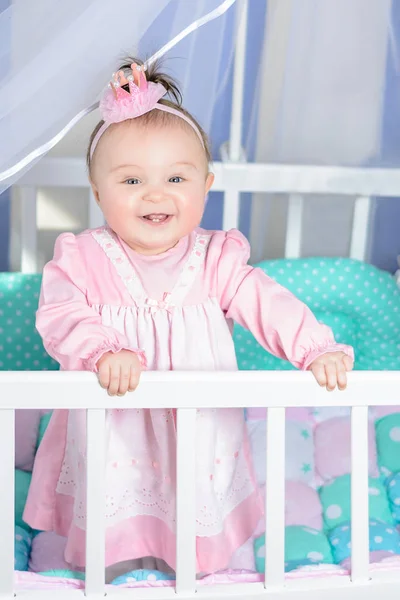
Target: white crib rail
x=186, y=392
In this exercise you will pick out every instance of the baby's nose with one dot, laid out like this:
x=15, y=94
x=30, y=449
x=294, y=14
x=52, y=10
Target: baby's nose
x=155, y=194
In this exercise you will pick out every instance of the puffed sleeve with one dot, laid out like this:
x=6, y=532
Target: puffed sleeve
x=280, y=322
x=72, y=331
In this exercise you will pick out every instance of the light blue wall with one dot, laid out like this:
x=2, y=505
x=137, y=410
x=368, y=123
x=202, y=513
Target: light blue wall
x=386, y=226
x=4, y=199
x=220, y=129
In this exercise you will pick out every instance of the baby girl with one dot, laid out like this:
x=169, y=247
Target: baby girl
x=151, y=290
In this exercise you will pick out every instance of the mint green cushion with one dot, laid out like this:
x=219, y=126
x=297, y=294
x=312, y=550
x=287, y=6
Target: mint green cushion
x=21, y=347
x=388, y=443
x=303, y=546
x=44, y=421
x=358, y=301
x=22, y=483
x=335, y=499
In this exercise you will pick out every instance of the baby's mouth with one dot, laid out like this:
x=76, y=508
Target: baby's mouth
x=156, y=217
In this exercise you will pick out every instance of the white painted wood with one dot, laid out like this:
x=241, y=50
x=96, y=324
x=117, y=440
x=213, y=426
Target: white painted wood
x=275, y=500
x=185, y=389
x=294, y=226
x=360, y=228
x=359, y=495
x=95, y=216
x=186, y=502
x=95, y=504
x=28, y=199
x=7, y=519
x=231, y=211
x=371, y=591
x=247, y=177
x=239, y=69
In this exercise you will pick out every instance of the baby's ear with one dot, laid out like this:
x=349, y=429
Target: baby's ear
x=209, y=181
x=95, y=191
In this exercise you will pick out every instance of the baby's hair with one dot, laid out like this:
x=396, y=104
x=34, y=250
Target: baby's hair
x=158, y=117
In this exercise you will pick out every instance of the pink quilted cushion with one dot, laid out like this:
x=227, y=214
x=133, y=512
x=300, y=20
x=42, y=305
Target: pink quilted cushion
x=302, y=506
x=26, y=435
x=333, y=448
x=47, y=553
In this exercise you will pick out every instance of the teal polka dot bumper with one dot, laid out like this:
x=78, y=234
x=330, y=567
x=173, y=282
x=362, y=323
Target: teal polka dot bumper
x=359, y=302
x=21, y=347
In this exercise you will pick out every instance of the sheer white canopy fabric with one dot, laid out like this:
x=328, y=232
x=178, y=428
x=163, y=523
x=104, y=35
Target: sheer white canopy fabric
x=329, y=97
x=56, y=57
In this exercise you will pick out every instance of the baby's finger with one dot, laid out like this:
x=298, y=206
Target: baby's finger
x=331, y=376
x=124, y=379
x=134, y=379
x=341, y=375
x=114, y=380
x=318, y=370
x=104, y=375
x=348, y=363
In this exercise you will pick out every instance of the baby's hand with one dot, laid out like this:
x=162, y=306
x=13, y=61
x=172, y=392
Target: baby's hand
x=119, y=372
x=330, y=369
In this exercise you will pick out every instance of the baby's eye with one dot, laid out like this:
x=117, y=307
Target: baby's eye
x=175, y=179
x=132, y=181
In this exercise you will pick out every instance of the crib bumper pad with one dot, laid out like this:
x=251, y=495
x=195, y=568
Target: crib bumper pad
x=303, y=546
x=388, y=443
x=333, y=448
x=335, y=499
x=22, y=548
x=384, y=540
x=359, y=302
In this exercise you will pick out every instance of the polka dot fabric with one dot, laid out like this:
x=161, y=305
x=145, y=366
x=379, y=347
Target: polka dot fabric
x=303, y=546
x=393, y=489
x=388, y=443
x=382, y=538
x=142, y=575
x=21, y=347
x=358, y=301
x=335, y=499
x=22, y=547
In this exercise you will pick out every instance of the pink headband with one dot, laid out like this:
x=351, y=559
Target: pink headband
x=131, y=97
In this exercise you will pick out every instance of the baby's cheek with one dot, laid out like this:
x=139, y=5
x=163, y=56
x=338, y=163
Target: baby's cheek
x=193, y=210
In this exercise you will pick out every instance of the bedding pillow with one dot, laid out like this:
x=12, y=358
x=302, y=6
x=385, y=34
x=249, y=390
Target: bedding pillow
x=358, y=301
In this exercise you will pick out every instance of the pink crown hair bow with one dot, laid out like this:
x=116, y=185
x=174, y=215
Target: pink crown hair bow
x=131, y=96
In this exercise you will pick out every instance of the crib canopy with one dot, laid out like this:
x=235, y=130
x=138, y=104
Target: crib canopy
x=321, y=83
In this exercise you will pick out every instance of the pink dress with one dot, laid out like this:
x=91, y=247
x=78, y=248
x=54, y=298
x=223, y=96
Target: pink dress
x=176, y=310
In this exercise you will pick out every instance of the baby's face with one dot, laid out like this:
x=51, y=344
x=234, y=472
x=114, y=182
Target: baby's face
x=151, y=184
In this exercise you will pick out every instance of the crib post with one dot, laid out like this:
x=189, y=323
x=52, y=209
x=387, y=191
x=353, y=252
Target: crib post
x=294, y=226
x=7, y=518
x=359, y=495
x=95, y=503
x=360, y=228
x=28, y=195
x=275, y=500
x=186, y=502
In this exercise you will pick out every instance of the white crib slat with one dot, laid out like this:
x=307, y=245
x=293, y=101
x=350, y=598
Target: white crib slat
x=359, y=495
x=186, y=502
x=7, y=520
x=275, y=500
x=231, y=210
x=95, y=504
x=360, y=229
x=294, y=226
x=235, y=136
x=28, y=195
